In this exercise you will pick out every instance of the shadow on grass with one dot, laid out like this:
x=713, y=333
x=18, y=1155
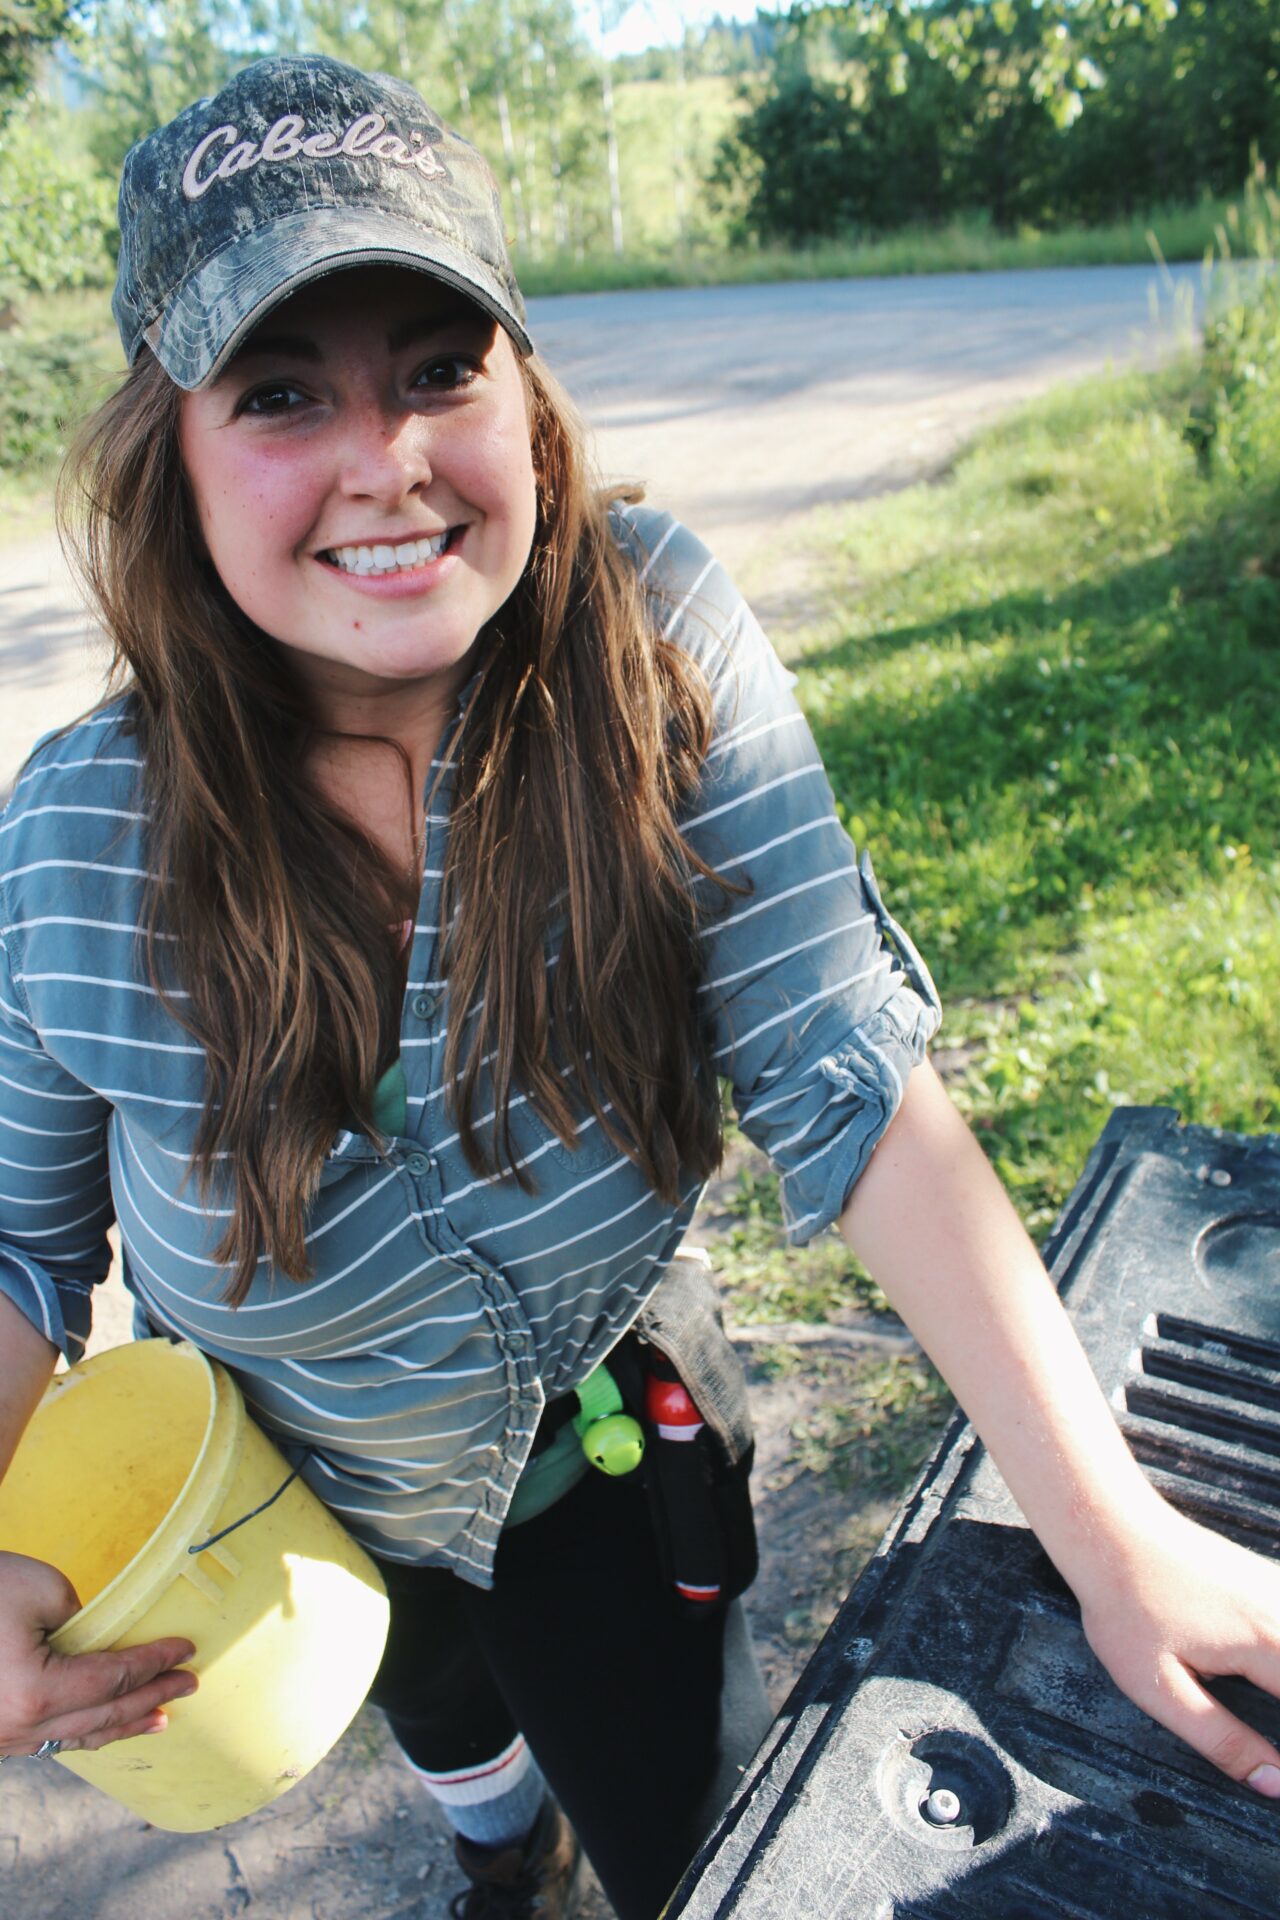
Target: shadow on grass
x=1019, y=759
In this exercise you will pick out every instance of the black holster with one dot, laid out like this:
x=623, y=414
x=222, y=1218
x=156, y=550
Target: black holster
x=698, y=1492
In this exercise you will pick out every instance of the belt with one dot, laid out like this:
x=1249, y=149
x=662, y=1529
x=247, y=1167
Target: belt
x=555, y=1415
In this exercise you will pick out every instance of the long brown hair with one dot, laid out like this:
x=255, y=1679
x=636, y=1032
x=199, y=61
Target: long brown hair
x=587, y=731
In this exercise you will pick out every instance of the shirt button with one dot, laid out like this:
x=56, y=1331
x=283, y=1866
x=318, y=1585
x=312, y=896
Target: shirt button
x=418, y=1164
x=424, y=1005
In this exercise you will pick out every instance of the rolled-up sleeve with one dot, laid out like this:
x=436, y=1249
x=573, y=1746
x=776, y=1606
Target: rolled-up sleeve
x=818, y=1003
x=55, y=1199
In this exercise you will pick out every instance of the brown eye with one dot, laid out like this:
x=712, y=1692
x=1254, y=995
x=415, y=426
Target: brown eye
x=447, y=371
x=277, y=397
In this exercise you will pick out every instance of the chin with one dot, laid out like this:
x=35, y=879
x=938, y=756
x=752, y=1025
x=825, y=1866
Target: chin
x=406, y=664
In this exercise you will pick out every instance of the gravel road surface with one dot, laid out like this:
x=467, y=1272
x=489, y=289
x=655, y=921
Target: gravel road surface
x=743, y=409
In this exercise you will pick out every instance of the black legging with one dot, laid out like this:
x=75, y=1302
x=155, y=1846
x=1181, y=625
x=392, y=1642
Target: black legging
x=641, y=1718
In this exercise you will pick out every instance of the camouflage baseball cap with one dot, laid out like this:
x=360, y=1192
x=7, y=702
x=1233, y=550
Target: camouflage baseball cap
x=299, y=167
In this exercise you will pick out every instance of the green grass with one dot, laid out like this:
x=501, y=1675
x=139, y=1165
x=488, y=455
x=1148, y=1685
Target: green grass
x=962, y=246
x=873, y=1439
x=766, y=1283
x=1045, y=691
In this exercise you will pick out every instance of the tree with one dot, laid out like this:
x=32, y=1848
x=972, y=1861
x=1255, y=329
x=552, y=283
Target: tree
x=59, y=225
x=1035, y=111
x=27, y=29
x=143, y=65
x=793, y=163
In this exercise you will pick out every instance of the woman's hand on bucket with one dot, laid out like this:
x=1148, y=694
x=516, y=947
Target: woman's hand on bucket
x=81, y=1700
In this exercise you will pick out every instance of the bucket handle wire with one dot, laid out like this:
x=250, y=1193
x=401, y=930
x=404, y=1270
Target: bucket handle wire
x=201, y=1545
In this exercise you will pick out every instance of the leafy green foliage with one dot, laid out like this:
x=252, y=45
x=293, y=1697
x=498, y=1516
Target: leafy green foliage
x=955, y=135
x=1234, y=424
x=1035, y=111
x=144, y=64
x=45, y=384
x=51, y=373
x=59, y=225
x=27, y=28
x=792, y=168
x=517, y=77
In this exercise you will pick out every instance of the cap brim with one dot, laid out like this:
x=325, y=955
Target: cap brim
x=218, y=307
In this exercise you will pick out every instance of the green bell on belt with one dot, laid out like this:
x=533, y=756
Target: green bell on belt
x=611, y=1439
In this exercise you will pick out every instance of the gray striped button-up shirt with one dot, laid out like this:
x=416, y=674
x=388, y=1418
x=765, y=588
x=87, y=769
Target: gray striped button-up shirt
x=444, y=1308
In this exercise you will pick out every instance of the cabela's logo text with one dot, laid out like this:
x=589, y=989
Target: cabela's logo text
x=288, y=139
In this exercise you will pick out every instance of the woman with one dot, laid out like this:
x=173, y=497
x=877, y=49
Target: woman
x=403, y=1109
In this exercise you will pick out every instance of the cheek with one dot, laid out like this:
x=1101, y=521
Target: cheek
x=252, y=512
x=494, y=467
x=252, y=499
x=513, y=460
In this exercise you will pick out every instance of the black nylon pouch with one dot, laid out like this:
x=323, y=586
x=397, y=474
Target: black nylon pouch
x=699, y=1497
x=728, y=1552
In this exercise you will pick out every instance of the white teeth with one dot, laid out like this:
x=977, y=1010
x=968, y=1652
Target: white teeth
x=387, y=559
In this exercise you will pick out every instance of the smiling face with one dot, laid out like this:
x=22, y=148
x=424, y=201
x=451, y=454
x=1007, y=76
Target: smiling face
x=364, y=483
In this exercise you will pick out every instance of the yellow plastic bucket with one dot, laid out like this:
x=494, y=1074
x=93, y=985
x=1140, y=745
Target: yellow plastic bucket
x=132, y=1458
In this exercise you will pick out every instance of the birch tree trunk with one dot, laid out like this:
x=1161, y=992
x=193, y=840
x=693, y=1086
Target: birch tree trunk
x=513, y=167
x=460, y=80
x=679, y=154
x=559, y=212
x=533, y=214
x=611, y=146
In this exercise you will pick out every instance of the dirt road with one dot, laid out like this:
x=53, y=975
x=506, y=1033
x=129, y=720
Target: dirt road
x=744, y=409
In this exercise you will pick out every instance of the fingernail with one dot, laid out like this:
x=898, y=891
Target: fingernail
x=1266, y=1779
x=158, y=1725
x=183, y=1691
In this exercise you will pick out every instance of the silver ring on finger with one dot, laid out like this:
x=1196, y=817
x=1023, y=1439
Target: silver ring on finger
x=47, y=1749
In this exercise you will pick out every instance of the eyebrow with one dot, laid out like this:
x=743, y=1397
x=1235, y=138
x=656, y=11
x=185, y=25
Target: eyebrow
x=285, y=345
x=296, y=346
x=422, y=326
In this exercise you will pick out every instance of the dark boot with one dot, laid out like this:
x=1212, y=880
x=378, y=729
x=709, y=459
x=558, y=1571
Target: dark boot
x=541, y=1880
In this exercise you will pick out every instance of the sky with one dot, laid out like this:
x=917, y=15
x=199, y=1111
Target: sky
x=648, y=23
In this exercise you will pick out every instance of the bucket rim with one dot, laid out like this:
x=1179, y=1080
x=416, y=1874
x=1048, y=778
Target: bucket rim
x=104, y=1620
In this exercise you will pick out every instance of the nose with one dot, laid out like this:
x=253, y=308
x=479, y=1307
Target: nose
x=386, y=454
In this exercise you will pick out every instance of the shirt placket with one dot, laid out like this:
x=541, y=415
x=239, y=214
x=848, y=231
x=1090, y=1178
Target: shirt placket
x=423, y=1018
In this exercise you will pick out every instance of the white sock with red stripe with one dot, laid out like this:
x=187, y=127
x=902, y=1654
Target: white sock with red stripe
x=494, y=1802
